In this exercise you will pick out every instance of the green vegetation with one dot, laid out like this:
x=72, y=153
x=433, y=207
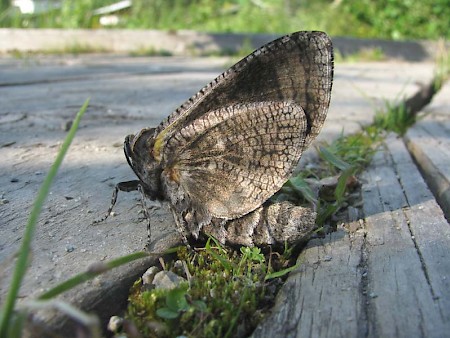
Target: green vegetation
x=225, y=292
x=397, y=118
x=389, y=19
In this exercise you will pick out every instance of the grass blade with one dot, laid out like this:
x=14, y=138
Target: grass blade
x=94, y=270
x=281, y=273
x=333, y=159
x=24, y=251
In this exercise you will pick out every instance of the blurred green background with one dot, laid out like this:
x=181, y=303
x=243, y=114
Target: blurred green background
x=386, y=19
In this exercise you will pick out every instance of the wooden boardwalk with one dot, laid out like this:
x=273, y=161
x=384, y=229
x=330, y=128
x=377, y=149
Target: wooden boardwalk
x=384, y=274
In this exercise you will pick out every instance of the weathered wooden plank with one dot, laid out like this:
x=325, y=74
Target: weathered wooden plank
x=322, y=297
x=396, y=278
x=429, y=142
x=389, y=279
x=430, y=232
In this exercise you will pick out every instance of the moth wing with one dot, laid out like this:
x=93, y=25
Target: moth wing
x=294, y=68
x=231, y=160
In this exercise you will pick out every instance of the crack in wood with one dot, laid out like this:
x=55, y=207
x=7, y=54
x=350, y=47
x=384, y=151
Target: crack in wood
x=362, y=326
x=419, y=253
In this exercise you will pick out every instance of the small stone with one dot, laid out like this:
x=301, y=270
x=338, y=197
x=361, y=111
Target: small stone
x=178, y=268
x=66, y=125
x=373, y=295
x=149, y=275
x=70, y=248
x=115, y=324
x=97, y=282
x=178, y=264
x=167, y=280
x=4, y=201
x=327, y=258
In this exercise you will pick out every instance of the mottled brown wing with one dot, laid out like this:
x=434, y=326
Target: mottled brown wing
x=229, y=161
x=296, y=67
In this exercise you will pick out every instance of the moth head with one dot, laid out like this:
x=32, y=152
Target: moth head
x=139, y=154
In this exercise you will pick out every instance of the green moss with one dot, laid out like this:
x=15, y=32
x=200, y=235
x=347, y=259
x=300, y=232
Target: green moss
x=224, y=294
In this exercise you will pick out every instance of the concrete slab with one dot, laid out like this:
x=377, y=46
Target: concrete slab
x=38, y=97
x=191, y=43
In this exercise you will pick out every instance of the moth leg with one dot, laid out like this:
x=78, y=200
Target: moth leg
x=145, y=210
x=122, y=186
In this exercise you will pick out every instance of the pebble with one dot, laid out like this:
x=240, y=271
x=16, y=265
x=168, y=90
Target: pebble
x=70, y=248
x=115, y=323
x=65, y=126
x=149, y=275
x=167, y=280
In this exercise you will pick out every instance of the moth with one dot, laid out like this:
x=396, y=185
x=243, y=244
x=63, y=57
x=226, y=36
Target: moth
x=219, y=157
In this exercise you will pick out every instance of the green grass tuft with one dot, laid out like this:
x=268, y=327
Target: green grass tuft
x=224, y=293
x=396, y=118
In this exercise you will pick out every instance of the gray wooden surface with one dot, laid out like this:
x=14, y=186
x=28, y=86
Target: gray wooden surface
x=386, y=275
x=343, y=289
x=429, y=142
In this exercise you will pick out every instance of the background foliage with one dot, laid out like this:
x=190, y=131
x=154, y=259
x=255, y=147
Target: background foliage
x=389, y=19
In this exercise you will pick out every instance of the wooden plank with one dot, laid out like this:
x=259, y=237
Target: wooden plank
x=396, y=270
x=388, y=279
x=429, y=230
x=321, y=298
x=429, y=143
